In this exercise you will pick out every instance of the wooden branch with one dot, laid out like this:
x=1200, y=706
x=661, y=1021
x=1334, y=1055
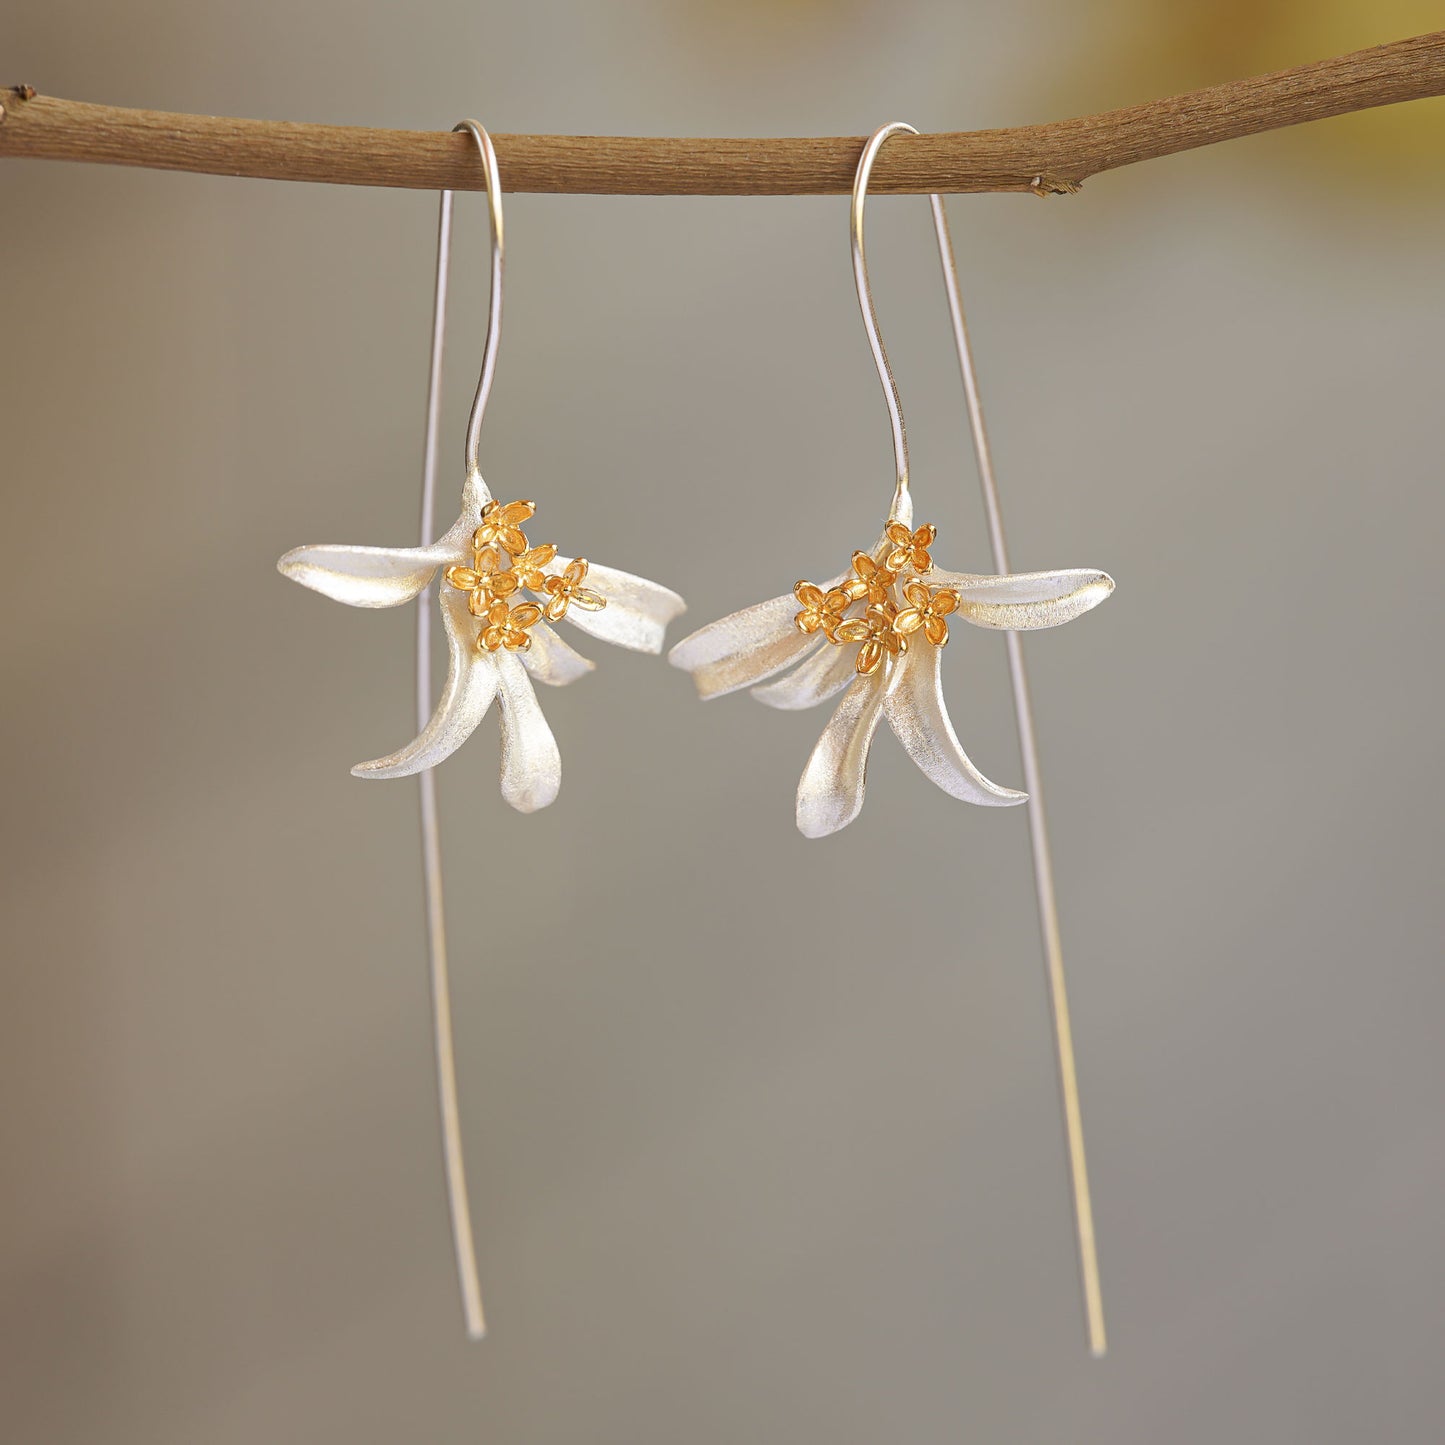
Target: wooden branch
x=1045, y=159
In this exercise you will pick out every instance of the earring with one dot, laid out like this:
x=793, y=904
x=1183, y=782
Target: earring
x=499, y=596
x=878, y=629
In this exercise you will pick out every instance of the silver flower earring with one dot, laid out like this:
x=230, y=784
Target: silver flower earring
x=875, y=632
x=499, y=595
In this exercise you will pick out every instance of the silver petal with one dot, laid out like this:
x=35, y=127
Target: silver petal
x=830, y=792
x=1025, y=601
x=531, y=762
x=744, y=647
x=916, y=713
x=637, y=611
x=551, y=660
x=826, y=673
x=385, y=576
x=467, y=694
x=365, y=576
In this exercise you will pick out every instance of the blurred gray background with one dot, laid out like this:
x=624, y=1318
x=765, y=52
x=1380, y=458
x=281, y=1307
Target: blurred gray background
x=763, y=1133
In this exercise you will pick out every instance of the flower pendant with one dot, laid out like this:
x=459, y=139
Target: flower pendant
x=878, y=631
x=498, y=642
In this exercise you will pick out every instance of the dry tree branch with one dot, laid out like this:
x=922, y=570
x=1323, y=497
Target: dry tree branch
x=1045, y=159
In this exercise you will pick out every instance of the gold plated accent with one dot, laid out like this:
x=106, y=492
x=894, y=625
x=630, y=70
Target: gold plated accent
x=507, y=626
x=502, y=523
x=882, y=631
x=910, y=549
x=502, y=565
x=822, y=611
x=878, y=634
x=871, y=579
x=486, y=581
x=498, y=579
x=928, y=606
x=528, y=566
x=567, y=589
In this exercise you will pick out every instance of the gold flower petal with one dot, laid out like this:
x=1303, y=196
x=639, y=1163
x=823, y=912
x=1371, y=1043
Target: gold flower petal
x=513, y=514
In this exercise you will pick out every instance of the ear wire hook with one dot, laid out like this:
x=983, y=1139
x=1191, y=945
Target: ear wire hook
x=1023, y=708
x=870, y=312
x=456, y=1179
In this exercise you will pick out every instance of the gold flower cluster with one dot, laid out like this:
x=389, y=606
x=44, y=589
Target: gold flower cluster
x=503, y=565
x=884, y=628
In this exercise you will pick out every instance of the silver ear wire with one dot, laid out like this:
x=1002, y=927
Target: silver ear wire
x=499, y=598
x=1023, y=708
x=870, y=312
x=436, y=929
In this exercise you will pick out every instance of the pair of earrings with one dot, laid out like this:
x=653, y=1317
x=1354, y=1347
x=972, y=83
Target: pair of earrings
x=874, y=632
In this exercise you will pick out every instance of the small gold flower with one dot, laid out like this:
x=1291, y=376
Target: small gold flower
x=528, y=566
x=568, y=589
x=876, y=631
x=929, y=607
x=910, y=549
x=822, y=611
x=486, y=580
x=507, y=626
x=502, y=523
x=873, y=580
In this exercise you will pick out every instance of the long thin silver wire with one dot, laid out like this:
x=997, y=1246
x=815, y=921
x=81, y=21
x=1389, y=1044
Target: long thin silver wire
x=870, y=312
x=431, y=848
x=1023, y=708
x=1038, y=823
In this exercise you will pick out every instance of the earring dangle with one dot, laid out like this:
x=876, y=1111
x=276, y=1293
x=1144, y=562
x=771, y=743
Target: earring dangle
x=499, y=596
x=876, y=631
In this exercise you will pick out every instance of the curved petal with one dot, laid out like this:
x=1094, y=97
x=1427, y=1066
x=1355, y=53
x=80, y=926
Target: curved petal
x=365, y=576
x=637, y=611
x=385, y=576
x=916, y=713
x=827, y=672
x=748, y=646
x=531, y=762
x=467, y=694
x=830, y=792
x=1024, y=601
x=551, y=660
x=744, y=647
